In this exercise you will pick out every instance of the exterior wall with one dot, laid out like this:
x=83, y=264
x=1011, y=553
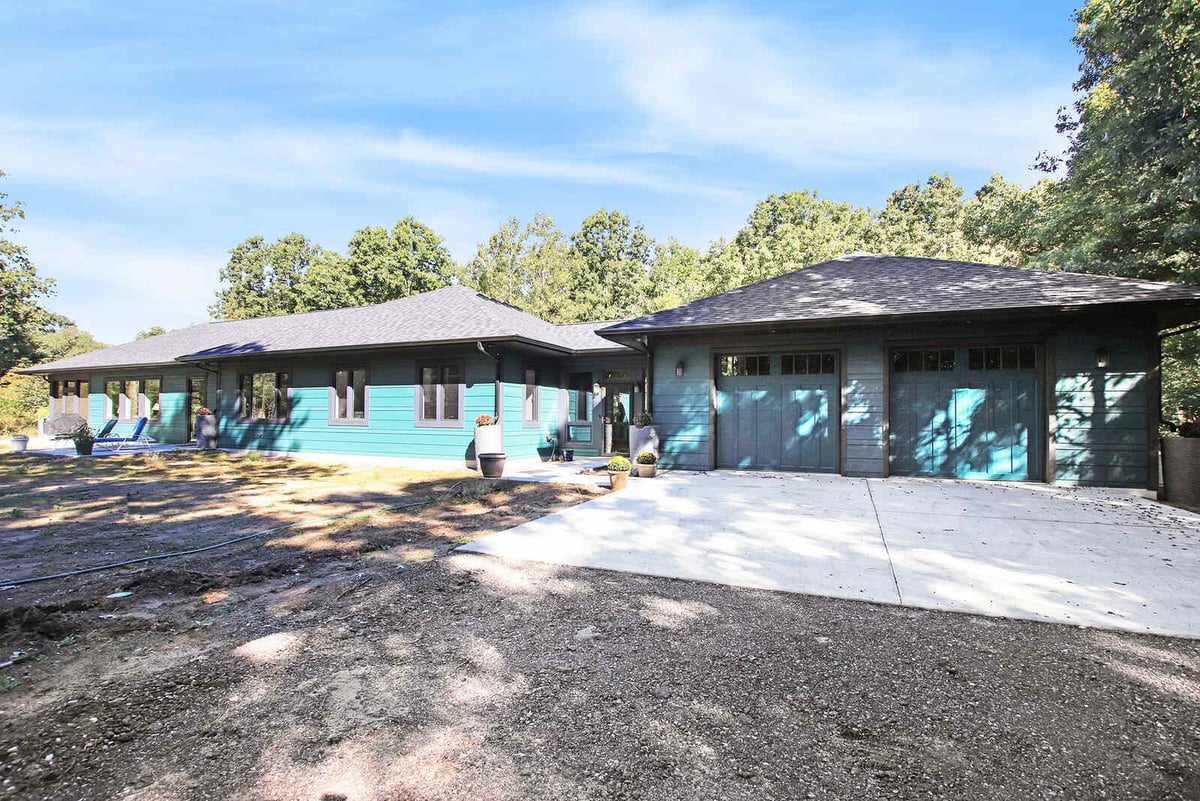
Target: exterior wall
x=682, y=406
x=391, y=428
x=171, y=427
x=1103, y=417
x=522, y=438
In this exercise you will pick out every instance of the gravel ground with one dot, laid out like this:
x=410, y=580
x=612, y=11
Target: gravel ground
x=465, y=677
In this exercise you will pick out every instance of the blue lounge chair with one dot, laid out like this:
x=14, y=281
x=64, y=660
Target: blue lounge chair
x=136, y=437
x=104, y=431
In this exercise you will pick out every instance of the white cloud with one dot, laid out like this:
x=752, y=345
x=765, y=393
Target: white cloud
x=113, y=287
x=150, y=159
x=815, y=98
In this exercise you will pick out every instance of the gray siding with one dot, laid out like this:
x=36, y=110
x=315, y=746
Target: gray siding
x=864, y=415
x=1102, y=417
x=681, y=406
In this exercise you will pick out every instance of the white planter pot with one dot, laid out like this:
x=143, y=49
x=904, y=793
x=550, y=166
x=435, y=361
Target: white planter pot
x=19, y=443
x=643, y=438
x=206, y=432
x=489, y=439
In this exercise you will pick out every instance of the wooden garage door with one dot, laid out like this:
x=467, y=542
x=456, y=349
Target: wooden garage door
x=967, y=412
x=778, y=411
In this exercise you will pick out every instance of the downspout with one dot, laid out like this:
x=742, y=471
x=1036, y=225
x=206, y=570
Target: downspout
x=498, y=402
x=642, y=345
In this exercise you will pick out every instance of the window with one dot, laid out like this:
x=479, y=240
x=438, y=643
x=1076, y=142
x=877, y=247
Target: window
x=69, y=396
x=808, y=364
x=941, y=360
x=263, y=396
x=579, y=407
x=532, y=406
x=348, y=396
x=745, y=365
x=129, y=398
x=440, y=395
x=1002, y=357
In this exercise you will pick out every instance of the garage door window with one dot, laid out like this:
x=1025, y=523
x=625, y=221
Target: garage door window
x=941, y=360
x=808, y=364
x=745, y=364
x=1002, y=357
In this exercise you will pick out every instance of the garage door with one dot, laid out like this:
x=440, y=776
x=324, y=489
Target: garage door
x=778, y=411
x=967, y=412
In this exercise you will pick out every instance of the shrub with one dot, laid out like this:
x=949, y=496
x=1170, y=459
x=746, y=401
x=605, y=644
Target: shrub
x=643, y=419
x=485, y=420
x=619, y=464
x=83, y=435
x=646, y=457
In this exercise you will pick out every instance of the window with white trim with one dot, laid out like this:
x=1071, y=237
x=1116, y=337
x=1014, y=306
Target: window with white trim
x=348, y=396
x=440, y=394
x=130, y=398
x=531, y=410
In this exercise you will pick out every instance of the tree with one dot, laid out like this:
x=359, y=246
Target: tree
x=611, y=268
x=152, y=331
x=1130, y=202
x=262, y=280
x=531, y=268
x=786, y=232
x=926, y=220
x=23, y=397
x=676, y=276
x=381, y=265
x=1002, y=220
x=21, y=316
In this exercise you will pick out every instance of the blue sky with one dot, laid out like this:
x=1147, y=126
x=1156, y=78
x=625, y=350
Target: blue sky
x=146, y=142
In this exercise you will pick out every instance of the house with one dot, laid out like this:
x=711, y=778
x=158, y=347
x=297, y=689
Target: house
x=865, y=365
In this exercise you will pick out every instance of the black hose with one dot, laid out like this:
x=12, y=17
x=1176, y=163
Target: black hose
x=233, y=541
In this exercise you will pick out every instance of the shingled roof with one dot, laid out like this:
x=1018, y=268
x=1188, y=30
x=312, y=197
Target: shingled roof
x=865, y=287
x=450, y=314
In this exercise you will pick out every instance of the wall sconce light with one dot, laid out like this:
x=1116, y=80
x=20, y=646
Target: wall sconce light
x=679, y=368
x=1102, y=358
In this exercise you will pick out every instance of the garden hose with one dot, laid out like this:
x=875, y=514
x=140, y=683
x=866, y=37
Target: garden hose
x=234, y=541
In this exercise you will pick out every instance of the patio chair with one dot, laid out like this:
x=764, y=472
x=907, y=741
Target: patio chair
x=104, y=431
x=136, y=437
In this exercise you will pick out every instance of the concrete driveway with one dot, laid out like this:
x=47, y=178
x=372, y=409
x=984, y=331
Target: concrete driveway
x=1089, y=557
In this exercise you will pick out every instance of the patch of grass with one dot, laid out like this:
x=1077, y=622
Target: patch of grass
x=14, y=513
x=67, y=641
x=8, y=683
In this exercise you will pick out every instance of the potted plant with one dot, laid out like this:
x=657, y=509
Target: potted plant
x=19, y=442
x=643, y=435
x=84, y=439
x=647, y=464
x=618, y=472
x=1181, y=464
x=206, y=429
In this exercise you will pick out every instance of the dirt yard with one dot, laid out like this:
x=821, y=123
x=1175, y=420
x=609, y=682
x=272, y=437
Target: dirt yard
x=361, y=661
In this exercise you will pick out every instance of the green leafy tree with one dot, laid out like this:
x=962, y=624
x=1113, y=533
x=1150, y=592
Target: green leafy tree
x=23, y=397
x=152, y=331
x=783, y=233
x=382, y=265
x=21, y=316
x=1130, y=202
x=927, y=220
x=612, y=260
x=676, y=276
x=1002, y=219
x=531, y=267
x=263, y=279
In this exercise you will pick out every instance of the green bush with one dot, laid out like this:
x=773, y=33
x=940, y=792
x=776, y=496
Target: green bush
x=646, y=457
x=619, y=464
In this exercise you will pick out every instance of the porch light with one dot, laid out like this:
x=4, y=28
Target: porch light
x=679, y=368
x=1102, y=358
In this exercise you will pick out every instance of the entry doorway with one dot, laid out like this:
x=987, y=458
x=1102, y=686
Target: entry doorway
x=618, y=408
x=197, y=391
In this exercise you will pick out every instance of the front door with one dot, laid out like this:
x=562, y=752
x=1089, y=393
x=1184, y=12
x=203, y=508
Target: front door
x=617, y=400
x=197, y=393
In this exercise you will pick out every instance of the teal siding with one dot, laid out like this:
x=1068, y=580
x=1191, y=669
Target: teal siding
x=1102, y=416
x=171, y=427
x=391, y=410
x=681, y=406
x=523, y=439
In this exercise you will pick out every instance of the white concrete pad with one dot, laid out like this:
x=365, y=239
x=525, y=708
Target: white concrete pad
x=1103, y=558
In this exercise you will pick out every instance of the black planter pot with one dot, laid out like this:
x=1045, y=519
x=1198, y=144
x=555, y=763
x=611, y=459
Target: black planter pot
x=84, y=448
x=492, y=464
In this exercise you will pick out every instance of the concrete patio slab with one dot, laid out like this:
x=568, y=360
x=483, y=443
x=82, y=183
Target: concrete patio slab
x=1100, y=558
